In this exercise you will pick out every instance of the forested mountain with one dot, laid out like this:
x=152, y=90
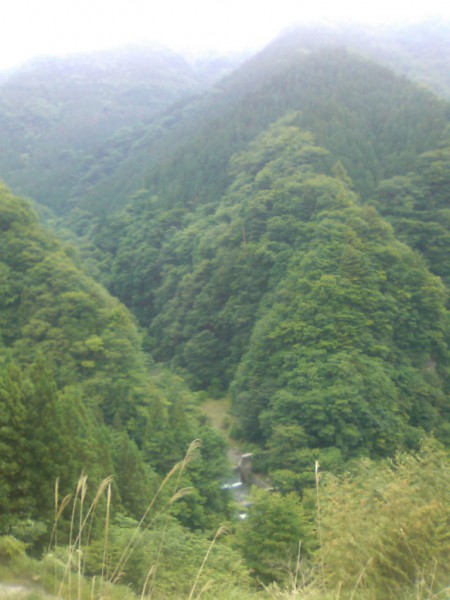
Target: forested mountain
x=417, y=50
x=371, y=120
x=297, y=293
x=77, y=394
x=67, y=123
x=86, y=130
x=213, y=255
x=374, y=122
x=344, y=322
x=286, y=246
x=418, y=205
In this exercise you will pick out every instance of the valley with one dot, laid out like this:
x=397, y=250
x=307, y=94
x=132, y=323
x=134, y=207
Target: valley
x=237, y=260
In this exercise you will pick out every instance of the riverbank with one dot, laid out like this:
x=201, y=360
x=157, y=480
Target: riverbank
x=239, y=457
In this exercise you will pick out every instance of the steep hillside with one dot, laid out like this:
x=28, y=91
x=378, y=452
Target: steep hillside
x=225, y=245
x=299, y=297
x=418, y=206
x=373, y=121
x=418, y=51
x=349, y=348
x=89, y=130
x=67, y=123
x=77, y=393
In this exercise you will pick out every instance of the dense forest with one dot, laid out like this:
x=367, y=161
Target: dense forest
x=270, y=236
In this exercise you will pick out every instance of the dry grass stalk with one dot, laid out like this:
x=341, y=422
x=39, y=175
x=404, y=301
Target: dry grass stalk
x=150, y=574
x=81, y=482
x=105, y=548
x=221, y=531
x=129, y=547
x=177, y=494
x=179, y=467
x=319, y=516
x=56, y=513
x=106, y=483
x=81, y=490
x=297, y=566
x=361, y=575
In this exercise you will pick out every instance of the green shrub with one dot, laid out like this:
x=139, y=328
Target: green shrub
x=11, y=549
x=386, y=529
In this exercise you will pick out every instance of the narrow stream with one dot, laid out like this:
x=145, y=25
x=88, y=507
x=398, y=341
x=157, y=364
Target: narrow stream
x=240, y=483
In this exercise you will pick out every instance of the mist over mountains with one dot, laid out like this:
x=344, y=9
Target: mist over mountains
x=72, y=121
x=87, y=127
x=271, y=231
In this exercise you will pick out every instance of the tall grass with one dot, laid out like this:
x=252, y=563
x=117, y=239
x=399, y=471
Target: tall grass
x=81, y=522
x=382, y=533
x=219, y=532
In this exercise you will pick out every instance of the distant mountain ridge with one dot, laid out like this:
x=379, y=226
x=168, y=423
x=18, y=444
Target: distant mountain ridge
x=419, y=51
x=357, y=109
x=87, y=130
x=66, y=123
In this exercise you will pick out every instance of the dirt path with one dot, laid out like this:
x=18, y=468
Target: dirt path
x=219, y=414
x=13, y=591
x=16, y=591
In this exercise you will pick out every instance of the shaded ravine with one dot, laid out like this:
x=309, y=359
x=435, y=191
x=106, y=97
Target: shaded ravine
x=239, y=484
x=243, y=479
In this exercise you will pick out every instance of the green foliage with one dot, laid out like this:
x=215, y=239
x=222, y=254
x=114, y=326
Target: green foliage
x=11, y=548
x=300, y=297
x=342, y=349
x=417, y=205
x=169, y=557
x=205, y=275
x=78, y=394
x=385, y=529
x=175, y=255
x=67, y=124
x=370, y=120
x=272, y=535
x=381, y=530
x=260, y=270
x=414, y=50
x=83, y=131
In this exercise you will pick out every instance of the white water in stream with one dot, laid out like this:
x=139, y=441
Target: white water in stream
x=239, y=489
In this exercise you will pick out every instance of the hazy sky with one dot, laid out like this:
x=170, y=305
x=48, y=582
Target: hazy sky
x=42, y=27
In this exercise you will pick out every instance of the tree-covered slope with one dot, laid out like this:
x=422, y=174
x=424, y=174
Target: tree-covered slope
x=88, y=131
x=77, y=394
x=375, y=122
x=417, y=50
x=351, y=345
x=299, y=296
x=218, y=249
x=67, y=123
x=418, y=206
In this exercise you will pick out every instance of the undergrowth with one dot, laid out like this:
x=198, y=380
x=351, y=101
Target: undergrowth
x=382, y=532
